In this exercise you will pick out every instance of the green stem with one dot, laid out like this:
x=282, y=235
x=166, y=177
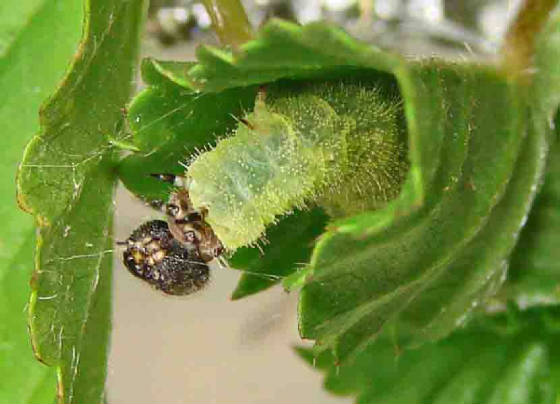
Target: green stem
x=230, y=21
x=519, y=43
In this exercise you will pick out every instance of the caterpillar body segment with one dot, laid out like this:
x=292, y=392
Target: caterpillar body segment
x=339, y=145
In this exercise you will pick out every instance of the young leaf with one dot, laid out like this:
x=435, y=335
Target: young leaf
x=505, y=358
x=26, y=35
x=66, y=181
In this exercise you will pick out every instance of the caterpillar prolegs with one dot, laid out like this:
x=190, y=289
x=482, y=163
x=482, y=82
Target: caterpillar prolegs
x=339, y=145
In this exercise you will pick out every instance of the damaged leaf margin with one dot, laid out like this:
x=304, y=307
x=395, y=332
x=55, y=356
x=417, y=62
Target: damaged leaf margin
x=66, y=180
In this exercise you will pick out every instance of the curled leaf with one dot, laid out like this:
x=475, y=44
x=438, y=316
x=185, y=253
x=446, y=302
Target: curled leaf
x=419, y=266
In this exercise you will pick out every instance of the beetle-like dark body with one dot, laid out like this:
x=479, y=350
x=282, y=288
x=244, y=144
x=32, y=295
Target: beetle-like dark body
x=154, y=255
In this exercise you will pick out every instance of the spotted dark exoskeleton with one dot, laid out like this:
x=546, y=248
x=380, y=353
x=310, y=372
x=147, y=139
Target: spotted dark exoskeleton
x=173, y=256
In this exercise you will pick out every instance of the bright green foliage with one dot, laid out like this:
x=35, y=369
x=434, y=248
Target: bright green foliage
x=508, y=358
x=66, y=181
x=15, y=18
x=26, y=36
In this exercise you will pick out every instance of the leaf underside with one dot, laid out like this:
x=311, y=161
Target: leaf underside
x=66, y=181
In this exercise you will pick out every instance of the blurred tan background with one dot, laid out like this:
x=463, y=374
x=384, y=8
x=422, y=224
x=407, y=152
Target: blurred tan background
x=203, y=348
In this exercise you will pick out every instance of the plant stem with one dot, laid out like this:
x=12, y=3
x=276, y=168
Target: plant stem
x=519, y=43
x=366, y=9
x=230, y=21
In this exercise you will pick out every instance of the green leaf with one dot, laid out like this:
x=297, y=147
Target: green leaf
x=26, y=35
x=66, y=181
x=425, y=270
x=24, y=380
x=535, y=264
x=285, y=50
x=506, y=358
x=169, y=123
x=288, y=248
x=477, y=145
x=545, y=89
x=15, y=17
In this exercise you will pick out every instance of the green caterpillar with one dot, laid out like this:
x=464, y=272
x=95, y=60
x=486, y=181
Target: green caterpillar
x=339, y=145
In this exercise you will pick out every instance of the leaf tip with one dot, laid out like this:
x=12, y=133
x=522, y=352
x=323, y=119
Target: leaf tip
x=236, y=295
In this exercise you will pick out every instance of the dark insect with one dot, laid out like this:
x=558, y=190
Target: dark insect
x=173, y=256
